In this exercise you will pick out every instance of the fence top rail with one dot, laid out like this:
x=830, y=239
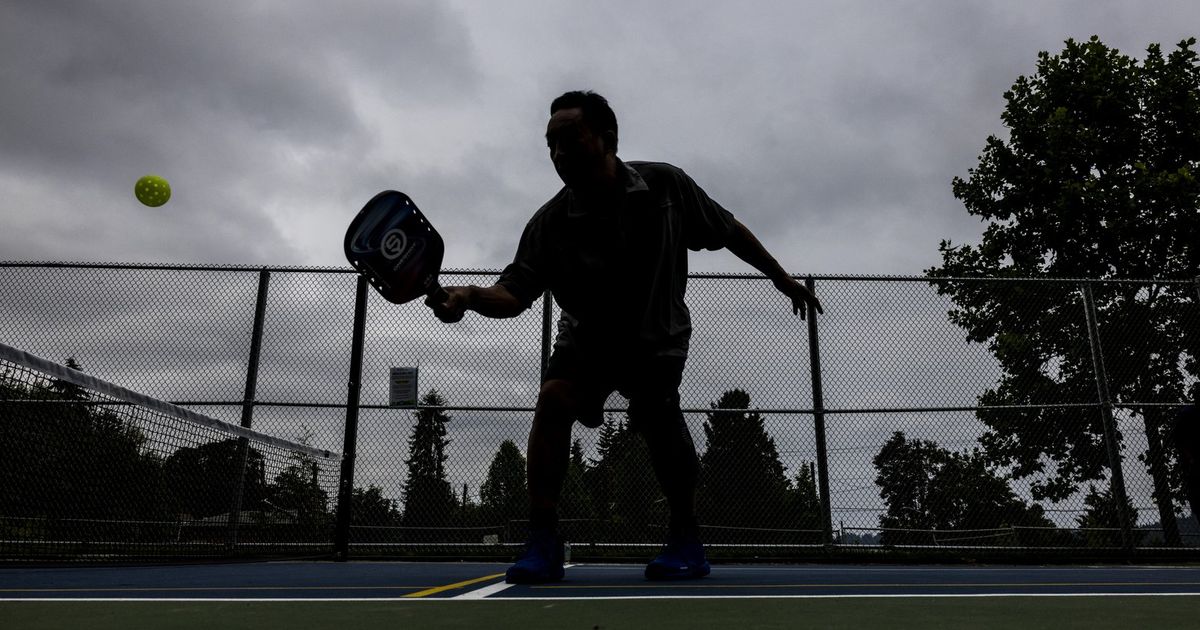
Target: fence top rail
x=496, y=272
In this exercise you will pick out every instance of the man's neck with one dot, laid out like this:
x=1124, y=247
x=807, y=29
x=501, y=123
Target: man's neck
x=607, y=185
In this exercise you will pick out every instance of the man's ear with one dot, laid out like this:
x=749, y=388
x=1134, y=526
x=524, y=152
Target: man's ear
x=610, y=140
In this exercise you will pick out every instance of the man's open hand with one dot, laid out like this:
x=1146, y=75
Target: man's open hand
x=801, y=297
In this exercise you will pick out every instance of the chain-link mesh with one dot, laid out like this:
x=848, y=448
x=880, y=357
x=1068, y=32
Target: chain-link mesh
x=956, y=413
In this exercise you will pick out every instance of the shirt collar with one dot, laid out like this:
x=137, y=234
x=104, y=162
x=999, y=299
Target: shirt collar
x=633, y=179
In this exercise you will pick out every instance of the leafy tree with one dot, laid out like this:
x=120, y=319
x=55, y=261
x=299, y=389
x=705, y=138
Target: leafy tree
x=72, y=461
x=503, y=495
x=369, y=507
x=742, y=481
x=204, y=479
x=428, y=498
x=296, y=490
x=927, y=487
x=1097, y=179
x=1103, y=520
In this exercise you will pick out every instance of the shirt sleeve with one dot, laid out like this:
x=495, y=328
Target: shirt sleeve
x=706, y=225
x=524, y=277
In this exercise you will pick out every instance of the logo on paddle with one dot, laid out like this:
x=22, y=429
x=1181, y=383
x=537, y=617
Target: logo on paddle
x=394, y=244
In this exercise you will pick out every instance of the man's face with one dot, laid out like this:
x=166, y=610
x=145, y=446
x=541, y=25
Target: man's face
x=577, y=152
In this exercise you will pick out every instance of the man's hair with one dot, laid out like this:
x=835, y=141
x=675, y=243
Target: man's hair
x=596, y=112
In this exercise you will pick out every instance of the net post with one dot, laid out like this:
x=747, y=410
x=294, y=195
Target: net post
x=1117, y=482
x=341, y=535
x=248, y=398
x=818, y=396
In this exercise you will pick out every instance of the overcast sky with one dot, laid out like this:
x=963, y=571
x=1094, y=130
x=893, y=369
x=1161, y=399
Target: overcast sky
x=832, y=129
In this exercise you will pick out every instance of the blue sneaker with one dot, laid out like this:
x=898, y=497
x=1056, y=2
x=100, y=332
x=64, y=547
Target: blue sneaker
x=680, y=559
x=541, y=562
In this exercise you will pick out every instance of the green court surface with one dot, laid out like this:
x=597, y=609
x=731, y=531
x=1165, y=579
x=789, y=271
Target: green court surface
x=1091, y=612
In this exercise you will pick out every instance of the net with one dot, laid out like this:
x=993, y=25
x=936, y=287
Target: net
x=90, y=469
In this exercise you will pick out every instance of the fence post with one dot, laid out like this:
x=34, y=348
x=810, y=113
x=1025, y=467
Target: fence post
x=547, y=312
x=1117, y=481
x=814, y=359
x=341, y=534
x=248, y=398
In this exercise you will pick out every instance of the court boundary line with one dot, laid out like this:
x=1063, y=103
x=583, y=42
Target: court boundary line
x=485, y=592
x=564, y=599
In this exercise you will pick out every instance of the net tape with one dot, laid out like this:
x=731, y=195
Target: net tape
x=86, y=381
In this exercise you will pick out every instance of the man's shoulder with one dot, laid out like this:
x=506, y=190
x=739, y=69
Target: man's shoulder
x=654, y=172
x=555, y=205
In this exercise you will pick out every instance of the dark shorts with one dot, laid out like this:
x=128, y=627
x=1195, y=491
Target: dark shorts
x=651, y=383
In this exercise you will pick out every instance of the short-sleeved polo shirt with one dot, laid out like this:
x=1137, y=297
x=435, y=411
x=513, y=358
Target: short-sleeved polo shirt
x=619, y=272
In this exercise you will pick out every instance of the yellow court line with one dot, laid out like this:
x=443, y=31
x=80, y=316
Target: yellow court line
x=701, y=584
x=449, y=587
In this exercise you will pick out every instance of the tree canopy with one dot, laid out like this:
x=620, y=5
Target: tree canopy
x=1097, y=179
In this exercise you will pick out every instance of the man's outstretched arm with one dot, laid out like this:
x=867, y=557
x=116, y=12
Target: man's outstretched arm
x=747, y=247
x=494, y=301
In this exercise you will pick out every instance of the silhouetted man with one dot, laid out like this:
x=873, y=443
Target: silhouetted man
x=612, y=248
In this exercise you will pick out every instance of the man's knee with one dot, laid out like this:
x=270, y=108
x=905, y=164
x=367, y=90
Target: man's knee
x=557, y=401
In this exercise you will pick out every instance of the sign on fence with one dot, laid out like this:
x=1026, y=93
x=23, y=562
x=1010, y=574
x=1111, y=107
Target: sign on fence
x=402, y=390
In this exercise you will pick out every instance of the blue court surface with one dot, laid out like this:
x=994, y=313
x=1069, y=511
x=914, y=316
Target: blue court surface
x=314, y=581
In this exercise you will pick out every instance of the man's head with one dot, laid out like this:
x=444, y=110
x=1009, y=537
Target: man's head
x=582, y=138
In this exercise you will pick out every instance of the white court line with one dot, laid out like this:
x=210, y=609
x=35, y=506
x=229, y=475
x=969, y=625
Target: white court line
x=566, y=599
x=491, y=589
x=487, y=591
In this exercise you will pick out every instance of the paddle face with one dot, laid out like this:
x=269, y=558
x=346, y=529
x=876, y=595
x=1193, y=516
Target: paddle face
x=392, y=244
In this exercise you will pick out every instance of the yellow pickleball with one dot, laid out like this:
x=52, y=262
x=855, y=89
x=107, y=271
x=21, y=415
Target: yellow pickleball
x=152, y=190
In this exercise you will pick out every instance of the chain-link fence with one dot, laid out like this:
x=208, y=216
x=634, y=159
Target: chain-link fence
x=1008, y=414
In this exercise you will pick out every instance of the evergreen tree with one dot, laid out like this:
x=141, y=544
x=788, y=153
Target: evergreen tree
x=575, y=501
x=804, y=503
x=428, y=498
x=742, y=481
x=622, y=486
x=503, y=495
x=597, y=475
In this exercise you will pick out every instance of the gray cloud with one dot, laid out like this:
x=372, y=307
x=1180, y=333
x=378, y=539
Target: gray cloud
x=833, y=131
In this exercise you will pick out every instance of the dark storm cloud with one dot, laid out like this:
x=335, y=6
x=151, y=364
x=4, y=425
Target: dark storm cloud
x=246, y=108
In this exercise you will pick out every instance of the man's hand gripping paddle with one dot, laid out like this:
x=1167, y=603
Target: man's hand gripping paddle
x=391, y=244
